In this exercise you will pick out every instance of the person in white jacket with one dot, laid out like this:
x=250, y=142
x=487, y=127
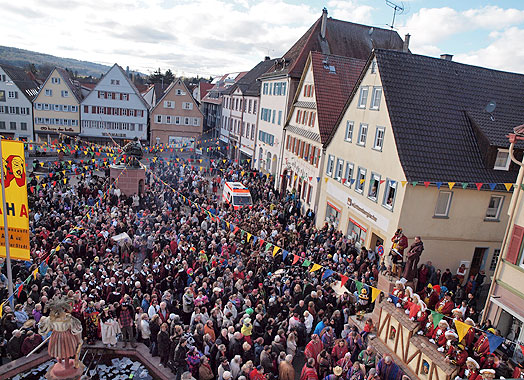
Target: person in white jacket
x=308, y=321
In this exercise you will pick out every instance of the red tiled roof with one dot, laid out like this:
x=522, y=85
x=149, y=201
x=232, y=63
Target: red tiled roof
x=204, y=88
x=333, y=87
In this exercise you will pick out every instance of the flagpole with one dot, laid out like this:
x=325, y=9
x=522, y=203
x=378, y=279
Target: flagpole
x=6, y=232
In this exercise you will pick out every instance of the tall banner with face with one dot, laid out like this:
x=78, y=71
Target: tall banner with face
x=17, y=210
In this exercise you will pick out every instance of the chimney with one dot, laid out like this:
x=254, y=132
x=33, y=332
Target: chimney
x=324, y=23
x=266, y=58
x=405, y=47
x=447, y=57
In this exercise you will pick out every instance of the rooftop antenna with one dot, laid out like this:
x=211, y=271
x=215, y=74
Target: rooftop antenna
x=490, y=107
x=396, y=9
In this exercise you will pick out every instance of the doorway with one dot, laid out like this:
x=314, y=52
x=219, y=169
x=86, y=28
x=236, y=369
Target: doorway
x=375, y=242
x=478, y=260
x=283, y=184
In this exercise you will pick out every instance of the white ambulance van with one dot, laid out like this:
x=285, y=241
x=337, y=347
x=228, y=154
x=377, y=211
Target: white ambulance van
x=237, y=194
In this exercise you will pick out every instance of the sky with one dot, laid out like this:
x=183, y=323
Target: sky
x=212, y=37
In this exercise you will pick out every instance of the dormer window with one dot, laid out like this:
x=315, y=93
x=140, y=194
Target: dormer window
x=503, y=160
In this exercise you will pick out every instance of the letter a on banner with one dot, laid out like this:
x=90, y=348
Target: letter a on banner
x=13, y=159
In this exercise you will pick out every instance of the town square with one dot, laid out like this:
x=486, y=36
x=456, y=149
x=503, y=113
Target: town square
x=343, y=204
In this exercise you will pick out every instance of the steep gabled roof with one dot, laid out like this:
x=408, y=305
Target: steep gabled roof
x=170, y=88
x=137, y=92
x=248, y=84
x=77, y=92
x=26, y=83
x=204, y=88
x=334, y=78
x=436, y=106
x=343, y=38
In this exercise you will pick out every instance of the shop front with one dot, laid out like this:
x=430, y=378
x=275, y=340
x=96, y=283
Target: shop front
x=357, y=233
x=333, y=214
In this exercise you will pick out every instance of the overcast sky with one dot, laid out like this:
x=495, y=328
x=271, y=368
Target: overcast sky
x=211, y=37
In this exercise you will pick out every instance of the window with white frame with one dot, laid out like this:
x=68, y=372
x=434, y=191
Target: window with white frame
x=374, y=185
x=168, y=119
x=349, y=131
x=443, y=203
x=177, y=120
x=196, y=121
x=339, y=169
x=12, y=94
x=169, y=104
x=38, y=106
x=187, y=105
x=360, y=180
x=375, y=98
x=55, y=80
x=186, y=121
x=379, y=138
x=363, y=98
x=65, y=93
x=330, y=164
x=48, y=92
x=362, y=134
x=74, y=108
x=503, y=160
x=159, y=119
x=349, y=174
x=494, y=207
x=389, y=194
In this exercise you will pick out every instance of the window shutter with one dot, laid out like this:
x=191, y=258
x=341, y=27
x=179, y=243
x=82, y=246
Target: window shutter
x=515, y=244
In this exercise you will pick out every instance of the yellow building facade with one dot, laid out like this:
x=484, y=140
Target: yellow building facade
x=56, y=108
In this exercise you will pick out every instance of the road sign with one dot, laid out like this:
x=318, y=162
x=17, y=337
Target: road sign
x=380, y=250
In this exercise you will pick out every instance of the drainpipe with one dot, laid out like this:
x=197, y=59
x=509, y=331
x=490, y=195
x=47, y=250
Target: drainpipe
x=515, y=200
x=319, y=183
x=243, y=103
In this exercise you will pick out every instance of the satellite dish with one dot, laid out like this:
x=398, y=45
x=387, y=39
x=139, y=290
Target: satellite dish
x=491, y=106
x=371, y=30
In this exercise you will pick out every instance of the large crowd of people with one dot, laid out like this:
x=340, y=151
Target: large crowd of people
x=208, y=298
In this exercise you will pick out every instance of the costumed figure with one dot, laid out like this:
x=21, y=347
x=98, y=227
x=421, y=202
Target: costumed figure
x=439, y=332
x=91, y=317
x=446, y=305
x=362, y=303
x=66, y=337
x=398, y=291
x=481, y=346
x=487, y=374
x=457, y=355
x=413, y=256
x=408, y=296
x=400, y=243
x=457, y=315
x=423, y=320
x=434, y=296
x=414, y=308
x=450, y=336
x=472, y=369
x=469, y=338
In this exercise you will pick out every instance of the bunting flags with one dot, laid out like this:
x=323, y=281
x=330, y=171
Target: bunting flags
x=295, y=258
x=494, y=342
x=437, y=317
x=327, y=273
x=275, y=250
x=343, y=280
x=315, y=267
x=462, y=329
x=306, y=263
x=374, y=293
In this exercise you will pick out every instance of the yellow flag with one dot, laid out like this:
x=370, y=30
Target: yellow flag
x=508, y=186
x=403, y=183
x=462, y=329
x=1, y=309
x=374, y=293
x=362, y=181
x=315, y=267
x=326, y=179
x=248, y=237
x=275, y=250
x=57, y=248
x=451, y=184
x=35, y=272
